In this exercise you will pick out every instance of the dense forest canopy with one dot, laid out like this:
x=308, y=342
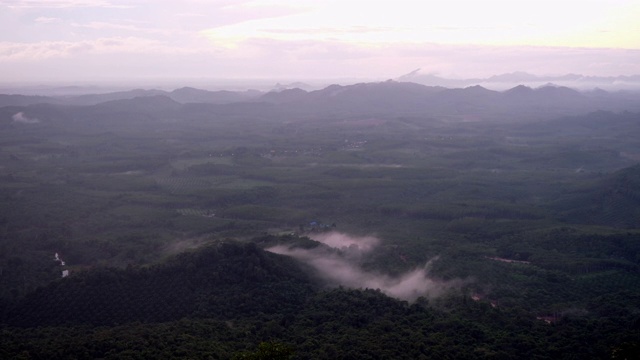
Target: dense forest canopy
x=379, y=220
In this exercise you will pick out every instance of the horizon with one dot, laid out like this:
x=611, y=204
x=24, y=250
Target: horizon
x=497, y=82
x=113, y=41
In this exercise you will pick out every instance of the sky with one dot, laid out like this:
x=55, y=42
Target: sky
x=113, y=40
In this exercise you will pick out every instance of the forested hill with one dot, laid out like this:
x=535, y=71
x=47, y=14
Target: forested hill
x=224, y=281
x=232, y=315
x=611, y=201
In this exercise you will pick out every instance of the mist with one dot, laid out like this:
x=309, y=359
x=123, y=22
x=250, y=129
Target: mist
x=21, y=118
x=338, y=264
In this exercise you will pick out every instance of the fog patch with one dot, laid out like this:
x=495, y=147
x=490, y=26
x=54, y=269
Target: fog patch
x=342, y=267
x=22, y=118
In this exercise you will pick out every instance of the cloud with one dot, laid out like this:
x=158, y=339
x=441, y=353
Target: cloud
x=21, y=118
x=303, y=59
x=41, y=50
x=337, y=263
x=307, y=39
x=404, y=22
x=56, y=4
x=126, y=27
x=252, y=9
x=47, y=20
x=481, y=61
x=12, y=51
x=327, y=30
x=100, y=25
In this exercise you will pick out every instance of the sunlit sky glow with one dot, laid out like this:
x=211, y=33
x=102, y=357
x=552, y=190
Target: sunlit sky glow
x=94, y=40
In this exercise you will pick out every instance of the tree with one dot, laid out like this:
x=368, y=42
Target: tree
x=267, y=351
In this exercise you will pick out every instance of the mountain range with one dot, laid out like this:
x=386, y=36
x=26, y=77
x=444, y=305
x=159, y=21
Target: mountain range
x=367, y=99
x=504, y=81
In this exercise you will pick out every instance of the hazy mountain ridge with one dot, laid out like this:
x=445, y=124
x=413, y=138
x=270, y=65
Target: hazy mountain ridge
x=391, y=97
x=505, y=81
x=387, y=97
x=24, y=100
x=182, y=95
x=191, y=94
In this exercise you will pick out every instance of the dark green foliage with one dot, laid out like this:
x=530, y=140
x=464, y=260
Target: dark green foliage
x=613, y=201
x=537, y=217
x=224, y=281
x=267, y=351
x=346, y=324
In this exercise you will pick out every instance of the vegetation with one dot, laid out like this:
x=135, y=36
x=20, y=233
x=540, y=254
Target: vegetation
x=160, y=211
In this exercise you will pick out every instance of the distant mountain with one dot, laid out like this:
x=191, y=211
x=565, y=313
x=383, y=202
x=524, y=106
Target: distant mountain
x=293, y=85
x=519, y=91
x=93, y=99
x=433, y=80
x=183, y=95
x=24, y=100
x=378, y=90
x=388, y=98
x=475, y=94
x=547, y=97
x=156, y=103
x=507, y=80
x=382, y=97
x=284, y=96
x=515, y=77
x=193, y=95
x=551, y=91
x=392, y=97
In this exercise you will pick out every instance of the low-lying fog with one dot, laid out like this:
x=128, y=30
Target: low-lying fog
x=343, y=267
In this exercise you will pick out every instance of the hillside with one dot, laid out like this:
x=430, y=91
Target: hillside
x=221, y=300
x=226, y=281
x=612, y=201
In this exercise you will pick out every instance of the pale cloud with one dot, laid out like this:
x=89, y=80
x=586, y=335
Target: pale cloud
x=257, y=58
x=65, y=49
x=101, y=25
x=334, y=58
x=47, y=20
x=477, y=60
x=26, y=4
x=534, y=23
x=319, y=39
x=127, y=27
x=213, y=14
x=190, y=15
x=327, y=30
x=267, y=7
